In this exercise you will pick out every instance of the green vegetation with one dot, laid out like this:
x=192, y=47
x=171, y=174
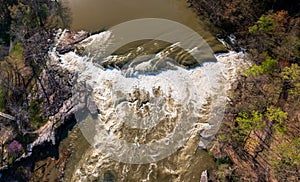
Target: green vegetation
x=17, y=51
x=267, y=67
x=255, y=121
x=277, y=116
x=264, y=24
x=291, y=75
x=26, y=30
x=35, y=112
x=21, y=19
x=2, y=99
x=223, y=160
x=10, y=75
x=263, y=116
x=288, y=160
x=277, y=35
x=249, y=122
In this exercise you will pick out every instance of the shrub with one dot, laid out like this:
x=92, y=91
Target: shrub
x=277, y=116
x=267, y=67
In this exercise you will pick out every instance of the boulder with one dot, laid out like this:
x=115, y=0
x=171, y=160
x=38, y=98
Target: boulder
x=68, y=40
x=204, y=177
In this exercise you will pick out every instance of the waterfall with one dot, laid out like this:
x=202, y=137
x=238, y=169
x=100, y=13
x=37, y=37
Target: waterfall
x=143, y=100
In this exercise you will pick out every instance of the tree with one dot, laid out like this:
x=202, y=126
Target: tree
x=265, y=24
x=277, y=116
x=291, y=75
x=247, y=122
x=267, y=67
x=287, y=163
x=277, y=35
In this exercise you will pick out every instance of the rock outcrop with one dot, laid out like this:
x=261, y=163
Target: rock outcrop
x=69, y=40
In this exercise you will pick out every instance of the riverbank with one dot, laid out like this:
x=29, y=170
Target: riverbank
x=258, y=151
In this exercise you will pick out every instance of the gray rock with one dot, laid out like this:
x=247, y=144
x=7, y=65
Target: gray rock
x=69, y=39
x=202, y=145
x=204, y=177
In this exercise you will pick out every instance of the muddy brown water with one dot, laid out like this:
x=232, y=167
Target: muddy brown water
x=95, y=15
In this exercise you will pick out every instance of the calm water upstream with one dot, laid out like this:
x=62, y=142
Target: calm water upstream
x=94, y=15
x=86, y=165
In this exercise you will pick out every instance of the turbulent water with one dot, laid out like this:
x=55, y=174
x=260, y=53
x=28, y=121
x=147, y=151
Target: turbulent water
x=142, y=101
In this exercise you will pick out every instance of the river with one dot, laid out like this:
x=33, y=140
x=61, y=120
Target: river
x=187, y=163
x=95, y=15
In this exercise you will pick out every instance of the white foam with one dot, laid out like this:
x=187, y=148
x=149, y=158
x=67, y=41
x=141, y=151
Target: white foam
x=197, y=86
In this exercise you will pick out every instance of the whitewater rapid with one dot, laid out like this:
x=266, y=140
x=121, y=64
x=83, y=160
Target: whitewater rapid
x=138, y=97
